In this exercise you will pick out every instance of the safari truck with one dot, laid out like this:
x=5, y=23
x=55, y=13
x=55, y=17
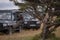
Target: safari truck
x=8, y=21
x=29, y=22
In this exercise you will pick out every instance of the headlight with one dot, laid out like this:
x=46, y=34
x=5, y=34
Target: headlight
x=38, y=22
x=4, y=24
x=25, y=22
x=6, y=21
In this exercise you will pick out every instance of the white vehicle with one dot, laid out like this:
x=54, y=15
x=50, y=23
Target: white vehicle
x=7, y=16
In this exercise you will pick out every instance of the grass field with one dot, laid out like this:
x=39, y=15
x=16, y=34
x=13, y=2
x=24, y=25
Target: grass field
x=57, y=32
x=25, y=35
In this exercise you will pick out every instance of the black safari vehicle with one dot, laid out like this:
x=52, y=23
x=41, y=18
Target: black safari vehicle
x=29, y=22
x=8, y=17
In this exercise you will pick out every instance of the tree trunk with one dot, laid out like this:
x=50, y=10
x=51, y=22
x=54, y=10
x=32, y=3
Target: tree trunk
x=45, y=29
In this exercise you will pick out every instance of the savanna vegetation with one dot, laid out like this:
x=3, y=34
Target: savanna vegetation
x=49, y=16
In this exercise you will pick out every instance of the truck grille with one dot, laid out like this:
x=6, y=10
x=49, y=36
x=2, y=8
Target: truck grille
x=32, y=22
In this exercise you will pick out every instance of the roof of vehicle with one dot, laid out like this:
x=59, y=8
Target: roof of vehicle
x=7, y=5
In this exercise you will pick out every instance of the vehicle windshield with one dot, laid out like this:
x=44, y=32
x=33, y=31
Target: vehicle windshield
x=27, y=16
x=6, y=16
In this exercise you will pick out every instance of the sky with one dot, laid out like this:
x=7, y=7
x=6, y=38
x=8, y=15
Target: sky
x=4, y=1
x=9, y=1
x=6, y=4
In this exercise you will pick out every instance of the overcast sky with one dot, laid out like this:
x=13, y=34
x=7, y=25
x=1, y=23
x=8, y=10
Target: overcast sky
x=9, y=1
x=4, y=1
x=6, y=4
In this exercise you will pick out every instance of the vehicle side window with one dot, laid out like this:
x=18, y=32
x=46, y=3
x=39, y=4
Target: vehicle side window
x=14, y=16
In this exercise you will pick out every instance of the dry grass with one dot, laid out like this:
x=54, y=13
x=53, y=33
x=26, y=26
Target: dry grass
x=57, y=32
x=25, y=35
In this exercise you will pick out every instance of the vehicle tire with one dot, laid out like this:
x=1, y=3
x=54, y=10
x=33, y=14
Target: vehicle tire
x=10, y=30
x=37, y=28
x=18, y=29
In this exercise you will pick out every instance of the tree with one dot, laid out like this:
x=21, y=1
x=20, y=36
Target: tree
x=52, y=10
